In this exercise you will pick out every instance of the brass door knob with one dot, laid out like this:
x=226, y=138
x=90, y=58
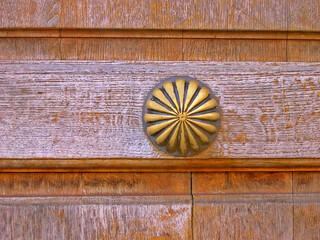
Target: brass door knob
x=181, y=116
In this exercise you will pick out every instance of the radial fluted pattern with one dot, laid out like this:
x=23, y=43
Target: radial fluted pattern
x=181, y=116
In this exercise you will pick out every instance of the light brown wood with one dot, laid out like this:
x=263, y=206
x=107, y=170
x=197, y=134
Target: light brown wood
x=16, y=47
x=306, y=216
x=306, y=182
x=136, y=183
x=29, y=33
x=224, y=217
x=303, y=15
x=121, y=217
x=242, y=182
x=124, y=49
x=29, y=48
x=194, y=14
x=308, y=51
x=76, y=184
x=30, y=13
x=166, y=14
x=93, y=109
x=234, y=50
x=40, y=184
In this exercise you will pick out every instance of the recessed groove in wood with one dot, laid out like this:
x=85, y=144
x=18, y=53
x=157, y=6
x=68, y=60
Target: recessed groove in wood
x=157, y=33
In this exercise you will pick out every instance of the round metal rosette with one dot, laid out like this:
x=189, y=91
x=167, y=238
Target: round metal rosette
x=181, y=116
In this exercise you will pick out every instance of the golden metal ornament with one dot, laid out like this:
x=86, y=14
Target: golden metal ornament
x=181, y=116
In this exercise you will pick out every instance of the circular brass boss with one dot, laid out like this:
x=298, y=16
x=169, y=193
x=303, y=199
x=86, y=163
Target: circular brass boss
x=181, y=116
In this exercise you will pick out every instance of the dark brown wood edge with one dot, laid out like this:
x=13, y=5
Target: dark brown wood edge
x=158, y=165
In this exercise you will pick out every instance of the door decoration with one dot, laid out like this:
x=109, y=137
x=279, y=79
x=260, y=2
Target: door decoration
x=181, y=116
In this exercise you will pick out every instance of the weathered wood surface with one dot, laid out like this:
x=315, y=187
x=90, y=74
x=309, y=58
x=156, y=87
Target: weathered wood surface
x=223, y=217
x=30, y=49
x=157, y=47
x=234, y=50
x=303, y=50
x=162, y=14
x=307, y=212
x=156, y=33
x=93, y=109
x=123, y=48
x=259, y=205
x=30, y=13
x=121, y=217
x=306, y=216
x=241, y=183
x=303, y=14
x=76, y=184
x=306, y=182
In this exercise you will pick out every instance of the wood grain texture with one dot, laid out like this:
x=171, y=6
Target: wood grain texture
x=76, y=184
x=303, y=50
x=241, y=182
x=121, y=49
x=30, y=13
x=93, y=109
x=236, y=217
x=29, y=48
x=136, y=183
x=96, y=218
x=158, y=165
x=234, y=50
x=293, y=15
x=304, y=15
x=306, y=216
x=158, y=33
x=159, y=47
x=164, y=14
x=306, y=182
x=257, y=14
x=40, y=184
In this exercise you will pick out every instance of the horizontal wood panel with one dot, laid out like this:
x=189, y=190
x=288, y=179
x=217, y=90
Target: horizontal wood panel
x=154, y=49
x=306, y=218
x=258, y=216
x=29, y=49
x=158, y=165
x=93, y=109
x=162, y=14
x=306, y=182
x=76, y=184
x=303, y=50
x=124, y=49
x=159, y=33
x=234, y=50
x=119, y=217
x=241, y=182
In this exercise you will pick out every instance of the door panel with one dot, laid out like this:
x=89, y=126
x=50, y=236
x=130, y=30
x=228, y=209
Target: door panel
x=55, y=202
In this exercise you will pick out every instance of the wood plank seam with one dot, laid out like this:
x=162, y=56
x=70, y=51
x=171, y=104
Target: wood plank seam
x=161, y=34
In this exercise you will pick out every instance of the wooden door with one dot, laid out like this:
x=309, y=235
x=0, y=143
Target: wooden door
x=75, y=163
